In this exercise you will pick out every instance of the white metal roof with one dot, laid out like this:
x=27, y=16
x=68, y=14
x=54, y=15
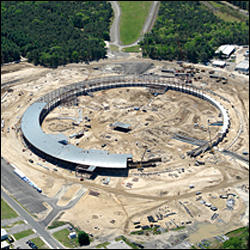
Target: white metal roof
x=243, y=65
x=3, y=232
x=121, y=125
x=219, y=63
x=225, y=49
x=19, y=173
x=45, y=143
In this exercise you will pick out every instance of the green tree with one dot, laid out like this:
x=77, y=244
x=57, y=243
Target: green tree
x=106, y=36
x=83, y=238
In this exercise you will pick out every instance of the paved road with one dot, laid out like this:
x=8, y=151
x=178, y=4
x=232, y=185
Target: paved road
x=56, y=209
x=115, y=32
x=24, y=193
x=31, y=199
x=41, y=231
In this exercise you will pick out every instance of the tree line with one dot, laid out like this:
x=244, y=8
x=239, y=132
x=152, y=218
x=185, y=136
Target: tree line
x=53, y=33
x=241, y=4
x=186, y=30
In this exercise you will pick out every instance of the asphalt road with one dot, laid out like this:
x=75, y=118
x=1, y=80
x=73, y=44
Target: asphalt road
x=41, y=231
x=31, y=199
x=24, y=193
x=114, y=30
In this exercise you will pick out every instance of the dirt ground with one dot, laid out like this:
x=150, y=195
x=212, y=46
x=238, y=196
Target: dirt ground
x=157, y=189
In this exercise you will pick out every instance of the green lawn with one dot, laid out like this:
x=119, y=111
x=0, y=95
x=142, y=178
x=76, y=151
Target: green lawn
x=6, y=211
x=227, y=17
x=62, y=236
x=132, y=49
x=23, y=234
x=133, y=16
x=216, y=4
x=103, y=245
x=227, y=13
x=39, y=243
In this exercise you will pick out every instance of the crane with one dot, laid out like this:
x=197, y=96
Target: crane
x=139, y=166
x=179, y=49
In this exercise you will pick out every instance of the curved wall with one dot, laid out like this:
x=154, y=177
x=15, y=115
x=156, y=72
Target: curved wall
x=35, y=114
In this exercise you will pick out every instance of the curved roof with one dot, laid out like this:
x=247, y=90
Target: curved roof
x=38, y=138
x=46, y=143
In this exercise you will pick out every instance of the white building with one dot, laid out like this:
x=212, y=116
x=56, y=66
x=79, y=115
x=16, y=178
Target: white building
x=243, y=66
x=72, y=235
x=226, y=49
x=221, y=64
x=5, y=245
x=4, y=234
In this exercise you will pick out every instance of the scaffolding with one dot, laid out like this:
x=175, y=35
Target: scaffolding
x=82, y=172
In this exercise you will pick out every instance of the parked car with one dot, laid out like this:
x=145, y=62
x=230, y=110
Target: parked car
x=31, y=244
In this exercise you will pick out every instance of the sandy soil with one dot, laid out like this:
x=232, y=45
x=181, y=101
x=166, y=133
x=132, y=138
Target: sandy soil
x=150, y=194
x=64, y=200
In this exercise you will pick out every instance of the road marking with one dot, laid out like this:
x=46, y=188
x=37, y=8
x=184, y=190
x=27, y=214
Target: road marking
x=47, y=243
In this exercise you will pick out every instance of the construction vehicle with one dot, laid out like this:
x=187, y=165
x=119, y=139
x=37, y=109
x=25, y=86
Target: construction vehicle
x=218, y=79
x=139, y=166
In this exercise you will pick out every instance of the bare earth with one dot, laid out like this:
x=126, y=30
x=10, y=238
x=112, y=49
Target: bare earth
x=117, y=206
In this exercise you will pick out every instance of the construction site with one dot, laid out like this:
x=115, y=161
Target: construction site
x=154, y=143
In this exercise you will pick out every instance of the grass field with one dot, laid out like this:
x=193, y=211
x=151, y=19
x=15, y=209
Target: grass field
x=6, y=211
x=62, y=236
x=135, y=48
x=226, y=17
x=103, y=245
x=23, y=234
x=227, y=13
x=133, y=16
x=39, y=243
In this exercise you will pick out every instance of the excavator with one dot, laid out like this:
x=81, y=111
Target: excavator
x=139, y=167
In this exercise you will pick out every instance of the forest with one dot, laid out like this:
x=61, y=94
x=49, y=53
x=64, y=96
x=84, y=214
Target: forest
x=186, y=30
x=52, y=33
x=241, y=4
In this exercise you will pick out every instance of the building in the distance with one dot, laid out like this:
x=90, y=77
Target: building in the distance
x=4, y=234
x=121, y=126
x=243, y=66
x=227, y=50
x=221, y=64
x=5, y=245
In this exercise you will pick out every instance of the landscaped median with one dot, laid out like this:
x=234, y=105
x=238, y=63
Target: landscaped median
x=133, y=49
x=23, y=234
x=6, y=211
x=133, y=17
